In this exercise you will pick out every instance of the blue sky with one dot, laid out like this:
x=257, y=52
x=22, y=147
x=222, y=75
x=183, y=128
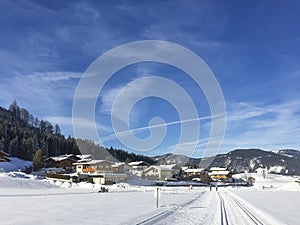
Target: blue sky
x=252, y=47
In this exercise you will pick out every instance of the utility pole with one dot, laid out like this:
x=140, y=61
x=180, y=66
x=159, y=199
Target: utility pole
x=156, y=195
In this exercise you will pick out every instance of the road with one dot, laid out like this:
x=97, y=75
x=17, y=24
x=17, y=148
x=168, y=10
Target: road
x=212, y=207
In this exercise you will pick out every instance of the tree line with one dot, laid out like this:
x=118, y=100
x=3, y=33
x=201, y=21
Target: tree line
x=22, y=134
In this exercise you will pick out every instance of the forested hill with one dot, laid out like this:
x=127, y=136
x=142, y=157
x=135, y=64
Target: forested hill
x=21, y=134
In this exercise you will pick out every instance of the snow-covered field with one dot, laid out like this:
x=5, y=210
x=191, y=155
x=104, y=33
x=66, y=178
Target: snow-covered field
x=24, y=199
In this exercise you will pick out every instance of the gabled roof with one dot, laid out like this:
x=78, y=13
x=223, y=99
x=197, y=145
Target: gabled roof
x=4, y=157
x=117, y=164
x=161, y=168
x=197, y=170
x=218, y=169
x=84, y=156
x=61, y=157
x=171, y=166
x=219, y=173
x=138, y=163
x=4, y=153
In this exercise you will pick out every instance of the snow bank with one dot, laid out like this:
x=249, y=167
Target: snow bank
x=15, y=164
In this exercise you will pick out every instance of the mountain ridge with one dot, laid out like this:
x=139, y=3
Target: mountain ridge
x=284, y=161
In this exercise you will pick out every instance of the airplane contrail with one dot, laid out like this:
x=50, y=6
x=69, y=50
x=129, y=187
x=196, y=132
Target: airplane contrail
x=127, y=132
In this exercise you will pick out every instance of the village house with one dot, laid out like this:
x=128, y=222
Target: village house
x=190, y=173
x=158, y=173
x=4, y=157
x=101, y=171
x=176, y=170
x=63, y=161
x=137, y=168
x=94, y=166
x=220, y=173
x=121, y=167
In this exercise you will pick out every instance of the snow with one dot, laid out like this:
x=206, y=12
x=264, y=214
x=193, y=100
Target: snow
x=284, y=205
x=41, y=201
x=272, y=181
x=136, y=163
x=15, y=164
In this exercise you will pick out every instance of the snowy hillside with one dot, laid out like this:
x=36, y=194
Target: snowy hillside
x=15, y=164
x=272, y=182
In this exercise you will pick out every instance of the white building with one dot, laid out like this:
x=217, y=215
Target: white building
x=220, y=173
x=101, y=171
x=175, y=169
x=137, y=168
x=158, y=173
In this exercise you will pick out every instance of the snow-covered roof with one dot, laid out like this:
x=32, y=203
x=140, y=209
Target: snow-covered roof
x=219, y=173
x=218, y=169
x=85, y=156
x=197, y=170
x=137, y=163
x=159, y=168
x=117, y=164
x=170, y=166
x=4, y=153
x=59, y=158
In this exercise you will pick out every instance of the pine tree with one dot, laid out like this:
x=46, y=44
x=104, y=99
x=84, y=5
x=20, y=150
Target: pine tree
x=38, y=160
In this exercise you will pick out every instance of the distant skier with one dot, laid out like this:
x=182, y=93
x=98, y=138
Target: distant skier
x=216, y=187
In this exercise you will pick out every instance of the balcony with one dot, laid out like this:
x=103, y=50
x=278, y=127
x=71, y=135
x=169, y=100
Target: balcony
x=88, y=170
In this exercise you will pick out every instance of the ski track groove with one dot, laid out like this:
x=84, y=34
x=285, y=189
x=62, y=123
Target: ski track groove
x=248, y=212
x=239, y=205
x=154, y=219
x=224, y=219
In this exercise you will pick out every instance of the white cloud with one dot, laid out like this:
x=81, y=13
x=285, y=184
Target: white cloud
x=42, y=94
x=264, y=126
x=108, y=98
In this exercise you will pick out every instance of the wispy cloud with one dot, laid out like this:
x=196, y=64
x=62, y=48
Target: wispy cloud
x=109, y=97
x=40, y=92
x=264, y=126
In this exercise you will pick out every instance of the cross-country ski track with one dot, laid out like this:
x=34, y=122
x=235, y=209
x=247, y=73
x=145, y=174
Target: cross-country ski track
x=212, y=207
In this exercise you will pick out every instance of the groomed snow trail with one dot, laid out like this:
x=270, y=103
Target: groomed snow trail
x=214, y=207
x=156, y=218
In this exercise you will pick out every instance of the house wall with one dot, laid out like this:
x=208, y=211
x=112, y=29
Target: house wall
x=165, y=174
x=99, y=180
x=138, y=170
x=100, y=167
x=152, y=174
x=158, y=174
x=79, y=168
